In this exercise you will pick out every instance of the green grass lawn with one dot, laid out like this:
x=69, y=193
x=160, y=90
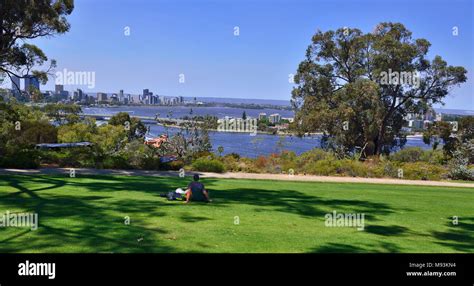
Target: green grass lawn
x=86, y=214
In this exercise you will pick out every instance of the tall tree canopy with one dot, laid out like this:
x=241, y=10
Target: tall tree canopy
x=23, y=20
x=352, y=86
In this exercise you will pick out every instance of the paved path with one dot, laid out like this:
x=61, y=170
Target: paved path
x=281, y=177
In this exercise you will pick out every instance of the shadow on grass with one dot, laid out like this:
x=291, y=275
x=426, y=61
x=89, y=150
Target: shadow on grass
x=460, y=237
x=95, y=222
x=78, y=222
x=350, y=248
x=393, y=230
x=191, y=218
x=298, y=203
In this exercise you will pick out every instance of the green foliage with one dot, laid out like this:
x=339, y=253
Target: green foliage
x=173, y=165
x=467, y=150
x=21, y=128
x=58, y=111
x=341, y=90
x=206, y=165
x=415, y=164
x=315, y=154
x=423, y=171
x=220, y=149
x=22, y=21
x=133, y=126
x=417, y=154
x=22, y=159
x=459, y=168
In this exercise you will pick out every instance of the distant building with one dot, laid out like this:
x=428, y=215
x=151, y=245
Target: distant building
x=416, y=124
x=430, y=115
x=59, y=88
x=114, y=97
x=60, y=92
x=262, y=116
x=78, y=95
x=101, y=97
x=121, y=96
x=15, y=83
x=31, y=81
x=135, y=98
x=145, y=96
x=274, y=118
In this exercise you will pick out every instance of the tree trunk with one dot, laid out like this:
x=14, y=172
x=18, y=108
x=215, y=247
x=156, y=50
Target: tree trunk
x=379, y=141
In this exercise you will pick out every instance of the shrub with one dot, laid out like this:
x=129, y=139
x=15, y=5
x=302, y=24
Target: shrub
x=434, y=157
x=206, y=165
x=458, y=168
x=288, y=160
x=352, y=168
x=321, y=167
x=315, y=154
x=386, y=169
x=467, y=149
x=261, y=162
x=149, y=163
x=173, y=165
x=116, y=162
x=412, y=154
x=73, y=157
x=23, y=159
x=230, y=163
x=423, y=171
x=233, y=155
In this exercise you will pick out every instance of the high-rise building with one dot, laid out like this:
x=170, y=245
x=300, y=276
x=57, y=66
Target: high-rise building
x=145, y=96
x=59, y=91
x=31, y=81
x=101, y=97
x=78, y=95
x=121, y=97
x=135, y=98
x=15, y=83
x=262, y=116
x=59, y=88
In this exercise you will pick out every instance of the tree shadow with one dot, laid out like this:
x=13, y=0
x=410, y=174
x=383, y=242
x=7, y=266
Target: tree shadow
x=350, y=248
x=191, y=218
x=95, y=221
x=338, y=248
x=295, y=202
x=393, y=230
x=460, y=237
x=79, y=222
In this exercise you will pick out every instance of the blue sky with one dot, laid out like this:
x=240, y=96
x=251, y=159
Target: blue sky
x=196, y=38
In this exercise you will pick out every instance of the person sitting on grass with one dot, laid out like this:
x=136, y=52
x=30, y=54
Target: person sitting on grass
x=196, y=191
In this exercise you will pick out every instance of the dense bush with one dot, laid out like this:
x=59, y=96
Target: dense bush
x=233, y=155
x=205, y=165
x=459, y=168
x=315, y=154
x=173, y=165
x=423, y=171
x=319, y=162
x=115, y=162
x=231, y=163
x=417, y=154
x=23, y=159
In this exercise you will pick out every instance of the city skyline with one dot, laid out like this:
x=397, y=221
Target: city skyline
x=225, y=50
